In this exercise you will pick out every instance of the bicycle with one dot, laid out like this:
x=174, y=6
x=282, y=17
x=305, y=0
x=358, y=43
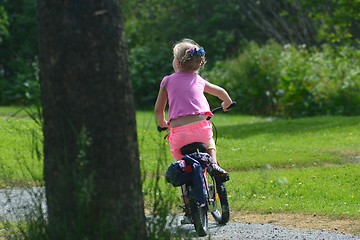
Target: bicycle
x=203, y=192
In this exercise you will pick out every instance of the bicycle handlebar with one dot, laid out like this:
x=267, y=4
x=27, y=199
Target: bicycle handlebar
x=220, y=108
x=160, y=129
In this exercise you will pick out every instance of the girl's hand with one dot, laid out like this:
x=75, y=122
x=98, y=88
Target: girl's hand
x=163, y=125
x=225, y=106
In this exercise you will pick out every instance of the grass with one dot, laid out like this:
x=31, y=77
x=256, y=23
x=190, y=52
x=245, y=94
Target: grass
x=329, y=190
x=11, y=111
x=20, y=161
x=290, y=143
x=309, y=165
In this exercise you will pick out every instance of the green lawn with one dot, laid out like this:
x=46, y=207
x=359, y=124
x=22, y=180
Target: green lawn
x=329, y=190
x=20, y=152
x=309, y=165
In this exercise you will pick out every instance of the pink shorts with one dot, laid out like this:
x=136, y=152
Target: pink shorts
x=194, y=132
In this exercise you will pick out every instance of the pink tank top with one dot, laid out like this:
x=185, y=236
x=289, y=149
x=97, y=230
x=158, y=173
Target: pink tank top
x=185, y=95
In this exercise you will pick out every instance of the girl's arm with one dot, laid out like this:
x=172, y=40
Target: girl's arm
x=220, y=93
x=160, y=108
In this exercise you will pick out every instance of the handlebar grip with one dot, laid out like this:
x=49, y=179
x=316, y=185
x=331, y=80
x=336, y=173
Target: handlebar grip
x=160, y=129
x=234, y=104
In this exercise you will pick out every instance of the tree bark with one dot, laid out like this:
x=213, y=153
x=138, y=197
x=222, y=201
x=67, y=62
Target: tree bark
x=91, y=159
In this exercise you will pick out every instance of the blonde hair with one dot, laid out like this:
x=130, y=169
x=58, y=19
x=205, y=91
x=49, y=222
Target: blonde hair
x=190, y=55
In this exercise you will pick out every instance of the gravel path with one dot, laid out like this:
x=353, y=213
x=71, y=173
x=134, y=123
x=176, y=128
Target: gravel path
x=242, y=231
x=261, y=232
x=16, y=204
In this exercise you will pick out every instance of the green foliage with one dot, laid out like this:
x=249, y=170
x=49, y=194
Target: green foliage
x=222, y=27
x=24, y=88
x=336, y=21
x=152, y=27
x=320, y=81
x=18, y=51
x=4, y=23
x=292, y=80
x=158, y=22
x=146, y=72
x=251, y=78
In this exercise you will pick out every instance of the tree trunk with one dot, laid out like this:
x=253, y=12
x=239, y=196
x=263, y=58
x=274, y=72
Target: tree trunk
x=92, y=172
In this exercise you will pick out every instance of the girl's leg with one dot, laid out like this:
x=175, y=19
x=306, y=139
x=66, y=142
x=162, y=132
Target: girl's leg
x=215, y=169
x=212, y=153
x=211, y=149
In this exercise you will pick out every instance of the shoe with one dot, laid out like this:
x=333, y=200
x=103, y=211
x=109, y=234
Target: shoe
x=186, y=220
x=218, y=173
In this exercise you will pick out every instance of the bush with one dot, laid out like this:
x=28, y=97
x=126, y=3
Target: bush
x=145, y=73
x=318, y=82
x=292, y=81
x=23, y=87
x=251, y=78
x=338, y=73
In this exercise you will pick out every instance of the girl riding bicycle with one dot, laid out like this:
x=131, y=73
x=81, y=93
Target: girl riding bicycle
x=188, y=106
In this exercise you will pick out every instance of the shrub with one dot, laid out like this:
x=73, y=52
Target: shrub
x=23, y=87
x=319, y=81
x=292, y=81
x=338, y=72
x=251, y=78
x=145, y=73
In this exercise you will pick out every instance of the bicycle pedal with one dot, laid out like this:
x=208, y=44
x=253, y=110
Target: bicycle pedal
x=222, y=177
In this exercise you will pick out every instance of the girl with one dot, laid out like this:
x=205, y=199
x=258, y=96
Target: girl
x=188, y=106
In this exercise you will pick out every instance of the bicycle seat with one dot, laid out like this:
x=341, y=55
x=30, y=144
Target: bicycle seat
x=193, y=147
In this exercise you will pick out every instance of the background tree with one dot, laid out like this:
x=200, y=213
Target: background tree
x=152, y=27
x=285, y=21
x=92, y=175
x=336, y=21
x=3, y=23
x=224, y=28
x=3, y=33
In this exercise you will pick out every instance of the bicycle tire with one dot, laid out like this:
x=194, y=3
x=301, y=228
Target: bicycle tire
x=199, y=217
x=220, y=205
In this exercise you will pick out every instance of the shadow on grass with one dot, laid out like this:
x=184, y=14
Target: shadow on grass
x=282, y=126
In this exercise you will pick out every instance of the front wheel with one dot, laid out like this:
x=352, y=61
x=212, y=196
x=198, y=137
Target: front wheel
x=218, y=202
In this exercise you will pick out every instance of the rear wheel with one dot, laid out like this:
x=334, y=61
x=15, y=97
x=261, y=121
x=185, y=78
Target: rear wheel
x=218, y=202
x=199, y=217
